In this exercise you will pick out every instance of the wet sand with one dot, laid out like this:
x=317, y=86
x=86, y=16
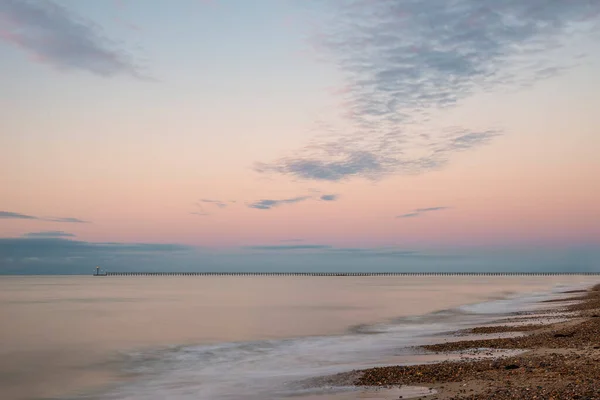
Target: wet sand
x=403, y=392
x=561, y=361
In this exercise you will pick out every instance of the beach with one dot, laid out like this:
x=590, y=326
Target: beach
x=560, y=360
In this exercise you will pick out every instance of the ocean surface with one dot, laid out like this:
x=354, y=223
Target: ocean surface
x=228, y=337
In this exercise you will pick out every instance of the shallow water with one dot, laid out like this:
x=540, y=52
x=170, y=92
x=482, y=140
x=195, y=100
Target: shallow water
x=231, y=337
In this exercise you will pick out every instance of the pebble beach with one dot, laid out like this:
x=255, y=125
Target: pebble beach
x=558, y=360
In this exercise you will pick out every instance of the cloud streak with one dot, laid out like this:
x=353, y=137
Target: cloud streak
x=409, y=215
x=420, y=211
x=52, y=35
x=423, y=210
x=14, y=215
x=267, y=204
x=289, y=247
x=52, y=255
x=331, y=251
x=408, y=60
x=68, y=220
x=44, y=247
x=329, y=197
x=377, y=252
x=49, y=234
x=218, y=203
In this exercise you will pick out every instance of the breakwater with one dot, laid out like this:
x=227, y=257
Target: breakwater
x=346, y=273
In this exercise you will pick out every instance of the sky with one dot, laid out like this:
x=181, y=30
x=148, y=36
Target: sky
x=305, y=135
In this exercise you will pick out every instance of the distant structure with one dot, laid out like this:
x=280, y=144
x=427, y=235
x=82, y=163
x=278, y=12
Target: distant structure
x=106, y=273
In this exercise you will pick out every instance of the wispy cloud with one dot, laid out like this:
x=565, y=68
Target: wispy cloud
x=289, y=247
x=48, y=234
x=51, y=34
x=218, y=203
x=267, y=204
x=68, y=220
x=329, y=197
x=55, y=255
x=202, y=202
x=52, y=247
x=420, y=211
x=406, y=60
x=377, y=252
x=409, y=215
x=136, y=247
x=14, y=215
x=332, y=251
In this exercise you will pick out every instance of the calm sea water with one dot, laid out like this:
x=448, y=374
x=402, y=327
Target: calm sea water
x=231, y=337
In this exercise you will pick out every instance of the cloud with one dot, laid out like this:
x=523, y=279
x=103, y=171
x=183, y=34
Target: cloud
x=68, y=220
x=377, y=252
x=331, y=251
x=52, y=35
x=139, y=247
x=55, y=255
x=14, y=215
x=420, y=211
x=218, y=203
x=348, y=164
x=409, y=215
x=290, y=247
x=41, y=247
x=405, y=61
x=48, y=234
x=267, y=204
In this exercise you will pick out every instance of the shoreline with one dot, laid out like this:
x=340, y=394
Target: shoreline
x=560, y=360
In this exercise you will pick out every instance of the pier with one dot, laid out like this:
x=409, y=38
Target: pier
x=108, y=274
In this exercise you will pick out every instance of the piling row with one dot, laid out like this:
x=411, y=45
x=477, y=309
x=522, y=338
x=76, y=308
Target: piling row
x=346, y=273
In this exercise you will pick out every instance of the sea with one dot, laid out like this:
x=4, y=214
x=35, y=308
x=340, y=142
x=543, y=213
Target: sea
x=236, y=337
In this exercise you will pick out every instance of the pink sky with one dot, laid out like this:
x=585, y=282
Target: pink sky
x=134, y=157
